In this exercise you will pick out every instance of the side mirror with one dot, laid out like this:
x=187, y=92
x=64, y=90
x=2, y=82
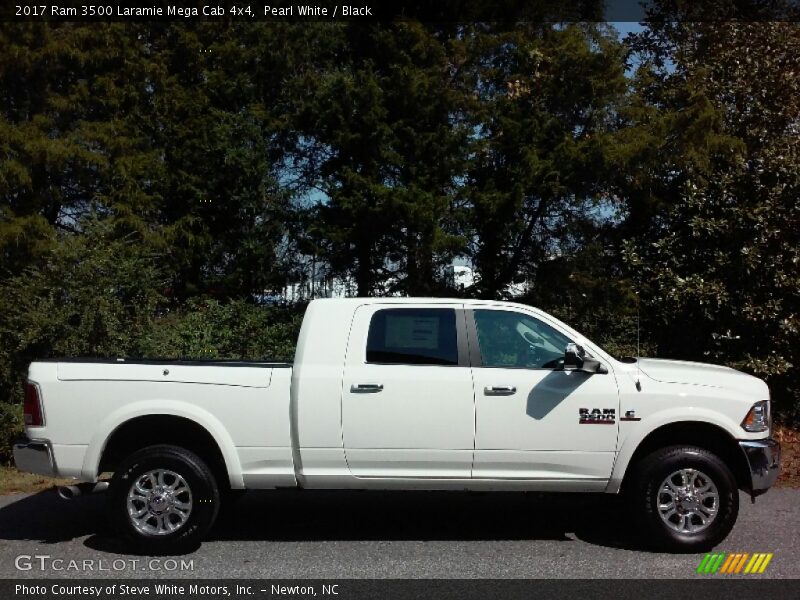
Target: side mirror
x=575, y=359
x=574, y=356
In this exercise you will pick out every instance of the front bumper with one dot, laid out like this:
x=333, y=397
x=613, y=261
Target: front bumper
x=35, y=456
x=764, y=459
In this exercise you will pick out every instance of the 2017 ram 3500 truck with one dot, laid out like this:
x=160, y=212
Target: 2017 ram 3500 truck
x=407, y=393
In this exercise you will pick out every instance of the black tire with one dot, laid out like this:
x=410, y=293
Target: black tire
x=205, y=499
x=645, y=489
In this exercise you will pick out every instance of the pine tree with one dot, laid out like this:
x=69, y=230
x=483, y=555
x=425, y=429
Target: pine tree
x=544, y=107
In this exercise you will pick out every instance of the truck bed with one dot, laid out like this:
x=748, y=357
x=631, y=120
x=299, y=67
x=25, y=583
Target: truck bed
x=244, y=405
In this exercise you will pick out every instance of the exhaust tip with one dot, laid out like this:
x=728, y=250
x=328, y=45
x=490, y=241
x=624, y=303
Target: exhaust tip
x=68, y=492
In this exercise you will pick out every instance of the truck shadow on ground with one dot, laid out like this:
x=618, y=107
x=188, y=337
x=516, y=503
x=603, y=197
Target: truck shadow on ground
x=46, y=518
x=311, y=516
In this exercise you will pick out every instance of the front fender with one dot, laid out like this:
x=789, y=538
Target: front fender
x=636, y=432
x=175, y=408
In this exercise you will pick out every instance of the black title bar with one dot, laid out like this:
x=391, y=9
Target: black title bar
x=389, y=589
x=389, y=10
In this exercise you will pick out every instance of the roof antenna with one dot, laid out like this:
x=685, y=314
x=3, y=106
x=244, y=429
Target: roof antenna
x=638, y=353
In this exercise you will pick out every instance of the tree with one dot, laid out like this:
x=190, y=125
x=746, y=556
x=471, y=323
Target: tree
x=379, y=136
x=719, y=259
x=166, y=128
x=207, y=109
x=545, y=101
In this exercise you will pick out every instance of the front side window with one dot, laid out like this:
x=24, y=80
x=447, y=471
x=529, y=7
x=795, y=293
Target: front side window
x=413, y=336
x=512, y=339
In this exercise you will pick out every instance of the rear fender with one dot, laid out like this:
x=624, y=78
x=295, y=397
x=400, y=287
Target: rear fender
x=175, y=408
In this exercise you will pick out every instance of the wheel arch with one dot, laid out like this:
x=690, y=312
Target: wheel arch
x=163, y=423
x=703, y=434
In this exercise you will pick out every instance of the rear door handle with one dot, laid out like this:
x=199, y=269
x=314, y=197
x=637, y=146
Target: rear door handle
x=500, y=390
x=366, y=388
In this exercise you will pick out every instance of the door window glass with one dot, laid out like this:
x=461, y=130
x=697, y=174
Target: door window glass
x=512, y=339
x=413, y=336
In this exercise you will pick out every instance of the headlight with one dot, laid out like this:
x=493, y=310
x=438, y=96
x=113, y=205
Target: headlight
x=757, y=418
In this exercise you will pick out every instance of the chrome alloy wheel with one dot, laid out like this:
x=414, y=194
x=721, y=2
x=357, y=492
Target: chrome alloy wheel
x=688, y=501
x=159, y=502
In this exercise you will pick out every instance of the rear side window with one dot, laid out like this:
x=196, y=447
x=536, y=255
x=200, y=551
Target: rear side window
x=413, y=336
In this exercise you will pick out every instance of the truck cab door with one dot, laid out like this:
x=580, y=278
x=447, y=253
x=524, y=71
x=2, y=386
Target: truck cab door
x=408, y=406
x=534, y=420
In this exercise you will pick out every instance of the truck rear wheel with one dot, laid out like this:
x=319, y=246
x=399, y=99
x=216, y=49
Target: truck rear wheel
x=685, y=499
x=163, y=499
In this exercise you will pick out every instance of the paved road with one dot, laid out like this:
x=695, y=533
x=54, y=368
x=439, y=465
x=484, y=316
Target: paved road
x=394, y=534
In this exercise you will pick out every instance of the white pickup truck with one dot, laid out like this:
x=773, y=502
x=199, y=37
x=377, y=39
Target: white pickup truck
x=404, y=393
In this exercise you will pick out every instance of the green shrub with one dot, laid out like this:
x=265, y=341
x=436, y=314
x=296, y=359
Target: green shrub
x=206, y=328
x=11, y=428
x=93, y=295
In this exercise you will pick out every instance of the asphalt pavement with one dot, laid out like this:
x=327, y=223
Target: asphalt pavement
x=352, y=534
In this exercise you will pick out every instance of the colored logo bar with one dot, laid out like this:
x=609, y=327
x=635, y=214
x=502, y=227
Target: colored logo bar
x=737, y=562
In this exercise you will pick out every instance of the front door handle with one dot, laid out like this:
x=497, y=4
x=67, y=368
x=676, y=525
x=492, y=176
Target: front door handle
x=366, y=388
x=500, y=390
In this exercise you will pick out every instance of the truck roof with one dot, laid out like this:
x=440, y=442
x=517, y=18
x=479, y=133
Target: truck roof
x=419, y=300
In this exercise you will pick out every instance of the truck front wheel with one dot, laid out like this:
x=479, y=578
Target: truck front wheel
x=163, y=499
x=685, y=498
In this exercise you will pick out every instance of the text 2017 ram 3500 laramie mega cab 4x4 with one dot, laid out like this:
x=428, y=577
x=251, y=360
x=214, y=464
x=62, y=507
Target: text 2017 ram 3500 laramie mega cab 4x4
x=407, y=393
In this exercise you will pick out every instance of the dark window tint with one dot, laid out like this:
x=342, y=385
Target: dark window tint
x=510, y=339
x=414, y=336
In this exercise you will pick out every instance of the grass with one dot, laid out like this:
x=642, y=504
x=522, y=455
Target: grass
x=13, y=481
